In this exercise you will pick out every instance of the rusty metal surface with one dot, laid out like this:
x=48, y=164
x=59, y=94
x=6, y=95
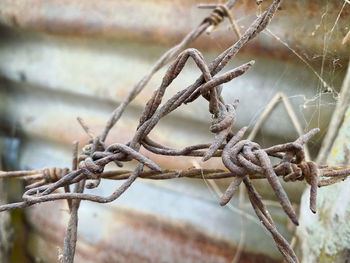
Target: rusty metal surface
x=124, y=235
x=6, y=228
x=302, y=23
x=82, y=68
x=75, y=70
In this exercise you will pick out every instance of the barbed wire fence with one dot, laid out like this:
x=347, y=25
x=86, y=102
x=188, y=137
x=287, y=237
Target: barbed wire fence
x=244, y=159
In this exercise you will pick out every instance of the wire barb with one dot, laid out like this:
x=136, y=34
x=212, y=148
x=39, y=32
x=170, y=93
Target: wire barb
x=244, y=159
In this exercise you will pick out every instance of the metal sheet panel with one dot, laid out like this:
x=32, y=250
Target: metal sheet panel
x=60, y=60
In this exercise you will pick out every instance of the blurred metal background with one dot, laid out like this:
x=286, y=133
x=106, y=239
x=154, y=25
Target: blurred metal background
x=63, y=59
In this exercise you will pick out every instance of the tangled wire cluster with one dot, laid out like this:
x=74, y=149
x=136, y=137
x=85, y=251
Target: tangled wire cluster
x=244, y=159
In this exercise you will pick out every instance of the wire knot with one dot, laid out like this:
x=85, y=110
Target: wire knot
x=54, y=174
x=226, y=118
x=217, y=15
x=90, y=169
x=299, y=172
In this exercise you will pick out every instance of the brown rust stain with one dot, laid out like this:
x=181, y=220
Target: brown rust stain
x=134, y=237
x=118, y=20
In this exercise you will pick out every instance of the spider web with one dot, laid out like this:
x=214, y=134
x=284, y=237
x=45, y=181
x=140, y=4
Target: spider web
x=326, y=88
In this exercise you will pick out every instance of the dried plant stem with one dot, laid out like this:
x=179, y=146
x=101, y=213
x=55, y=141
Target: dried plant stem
x=337, y=118
x=280, y=96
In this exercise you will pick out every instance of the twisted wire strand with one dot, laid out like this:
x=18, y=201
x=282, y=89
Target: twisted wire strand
x=243, y=158
x=325, y=173
x=217, y=16
x=163, y=60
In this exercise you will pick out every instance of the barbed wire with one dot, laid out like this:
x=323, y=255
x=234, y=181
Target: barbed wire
x=244, y=159
x=328, y=175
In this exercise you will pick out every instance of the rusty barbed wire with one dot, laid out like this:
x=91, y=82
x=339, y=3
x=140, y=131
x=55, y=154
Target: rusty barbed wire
x=70, y=239
x=326, y=173
x=244, y=159
x=217, y=16
x=163, y=60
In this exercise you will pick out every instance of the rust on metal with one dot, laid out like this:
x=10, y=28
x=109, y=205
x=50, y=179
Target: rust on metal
x=130, y=20
x=134, y=237
x=243, y=158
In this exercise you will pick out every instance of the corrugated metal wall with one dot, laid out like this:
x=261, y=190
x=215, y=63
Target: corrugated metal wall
x=63, y=59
